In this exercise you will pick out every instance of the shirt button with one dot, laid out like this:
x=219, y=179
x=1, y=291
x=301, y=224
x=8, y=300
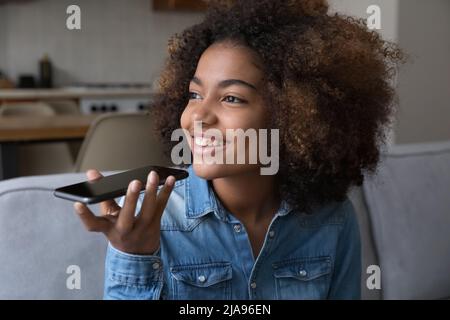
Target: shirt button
x=155, y=266
x=271, y=233
x=253, y=285
x=202, y=278
x=237, y=227
x=302, y=273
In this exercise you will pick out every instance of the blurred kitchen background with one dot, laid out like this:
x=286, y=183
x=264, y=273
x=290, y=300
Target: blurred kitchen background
x=110, y=67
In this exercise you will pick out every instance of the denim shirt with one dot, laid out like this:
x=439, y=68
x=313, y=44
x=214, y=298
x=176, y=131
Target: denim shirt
x=205, y=253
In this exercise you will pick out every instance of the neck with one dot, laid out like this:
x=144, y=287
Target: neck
x=250, y=197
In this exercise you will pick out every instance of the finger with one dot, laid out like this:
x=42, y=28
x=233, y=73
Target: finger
x=164, y=194
x=90, y=221
x=108, y=207
x=93, y=175
x=126, y=218
x=149, y=203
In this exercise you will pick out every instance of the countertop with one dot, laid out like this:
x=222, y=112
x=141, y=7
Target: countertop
x=73, y=93
x=44, y=128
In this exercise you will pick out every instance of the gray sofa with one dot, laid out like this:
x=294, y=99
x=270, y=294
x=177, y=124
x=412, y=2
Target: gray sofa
x=404, y=215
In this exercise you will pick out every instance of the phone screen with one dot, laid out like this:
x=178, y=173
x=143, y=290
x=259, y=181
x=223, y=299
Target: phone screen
x=115, y=185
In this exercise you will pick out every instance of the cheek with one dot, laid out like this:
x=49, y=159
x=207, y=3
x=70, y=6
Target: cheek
x=242, y=120
x=253, y=116
x=261, y=117
x=185, y=119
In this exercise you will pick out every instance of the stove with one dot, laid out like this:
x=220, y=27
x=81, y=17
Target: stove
x=113, y=97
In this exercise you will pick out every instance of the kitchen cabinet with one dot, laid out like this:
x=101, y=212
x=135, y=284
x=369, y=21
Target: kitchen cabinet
x=179, y=5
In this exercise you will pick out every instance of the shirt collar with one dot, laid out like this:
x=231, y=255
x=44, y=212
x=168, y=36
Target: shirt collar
x=284, y=209
x=201, y=200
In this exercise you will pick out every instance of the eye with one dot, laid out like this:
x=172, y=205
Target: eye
x=194, y=96
x=233, y=99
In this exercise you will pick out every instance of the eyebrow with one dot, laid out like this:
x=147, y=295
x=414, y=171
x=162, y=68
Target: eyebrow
x=227, y=83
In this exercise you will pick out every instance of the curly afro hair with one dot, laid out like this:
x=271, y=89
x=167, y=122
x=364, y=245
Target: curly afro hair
x=328, y=80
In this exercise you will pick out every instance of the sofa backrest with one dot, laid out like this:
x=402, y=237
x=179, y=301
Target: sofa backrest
x=403, y=212
x=409, y=208
x=44, y=249
x=41, y=239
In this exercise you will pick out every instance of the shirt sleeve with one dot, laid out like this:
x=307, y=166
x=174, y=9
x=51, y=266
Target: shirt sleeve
x=130, y=276
x=346, y=282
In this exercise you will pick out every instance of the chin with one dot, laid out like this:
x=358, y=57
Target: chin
x=210, y=171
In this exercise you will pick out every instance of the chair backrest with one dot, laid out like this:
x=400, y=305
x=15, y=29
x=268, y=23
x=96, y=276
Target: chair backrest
x=64, y=106
x=409, y=207
x=121, y=142
x=26, y=109
x=38, y=158
x=44, y=248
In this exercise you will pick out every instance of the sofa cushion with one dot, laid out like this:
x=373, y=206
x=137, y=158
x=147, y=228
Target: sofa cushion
x=43, y=244
x=409, y=205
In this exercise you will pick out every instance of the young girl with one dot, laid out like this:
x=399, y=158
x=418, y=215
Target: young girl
x=227, y=231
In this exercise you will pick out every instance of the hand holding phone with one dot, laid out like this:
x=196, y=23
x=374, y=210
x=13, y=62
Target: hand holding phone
x=126, y=232
x=115, y=185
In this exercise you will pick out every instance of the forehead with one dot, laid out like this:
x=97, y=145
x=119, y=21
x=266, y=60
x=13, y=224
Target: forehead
x=227, y=60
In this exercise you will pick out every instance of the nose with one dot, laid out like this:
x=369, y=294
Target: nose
x=204, y=112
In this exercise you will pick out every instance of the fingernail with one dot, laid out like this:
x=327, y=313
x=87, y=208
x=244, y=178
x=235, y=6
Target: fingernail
x=77, y=207
x=113, y=214
x=170, y=181
x=153, y=178
x=149, y=178
x=135, y=187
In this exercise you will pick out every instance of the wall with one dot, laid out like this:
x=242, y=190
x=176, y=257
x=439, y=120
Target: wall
x=422, y=29
x=389, y=13
x=424, y=83
x=389, y=25
x=2, y=39
x=124, y=41
x=120, y=41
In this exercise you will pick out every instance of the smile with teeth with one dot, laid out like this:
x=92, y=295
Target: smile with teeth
x=207, y=142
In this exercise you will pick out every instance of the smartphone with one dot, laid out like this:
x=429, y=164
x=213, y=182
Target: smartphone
x=115, y=185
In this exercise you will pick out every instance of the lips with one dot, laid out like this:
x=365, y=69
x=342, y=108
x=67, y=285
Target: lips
x=206, y=145
x=202, y=141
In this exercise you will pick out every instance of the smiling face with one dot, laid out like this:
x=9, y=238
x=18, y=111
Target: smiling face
x=224, y=94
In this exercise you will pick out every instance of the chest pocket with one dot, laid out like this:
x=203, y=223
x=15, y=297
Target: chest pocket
x=303, y=278
x=211, y=281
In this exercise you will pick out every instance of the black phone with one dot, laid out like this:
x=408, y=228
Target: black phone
x=115, y=185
